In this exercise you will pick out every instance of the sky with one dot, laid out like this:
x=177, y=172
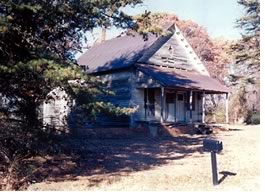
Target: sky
x=217, y=16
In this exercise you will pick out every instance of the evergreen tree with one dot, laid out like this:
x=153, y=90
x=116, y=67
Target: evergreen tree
x=38, y=40
x=248, y=48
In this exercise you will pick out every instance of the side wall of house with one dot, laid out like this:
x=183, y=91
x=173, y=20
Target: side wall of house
x=119, y=82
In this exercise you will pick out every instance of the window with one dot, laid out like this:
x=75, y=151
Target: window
x=149, y=101
x=180, y=97
x=170, y=98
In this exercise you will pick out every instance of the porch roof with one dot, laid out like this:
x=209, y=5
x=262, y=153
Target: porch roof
x=169, y=77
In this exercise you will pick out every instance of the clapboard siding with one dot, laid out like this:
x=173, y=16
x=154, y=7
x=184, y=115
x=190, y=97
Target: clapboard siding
x=119, y=83
x=137, y=96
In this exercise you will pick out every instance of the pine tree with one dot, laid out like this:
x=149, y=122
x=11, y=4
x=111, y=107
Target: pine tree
x=38, y=40
x=248, y=48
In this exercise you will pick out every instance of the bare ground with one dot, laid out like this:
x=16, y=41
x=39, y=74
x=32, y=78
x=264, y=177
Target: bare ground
x=139, y=164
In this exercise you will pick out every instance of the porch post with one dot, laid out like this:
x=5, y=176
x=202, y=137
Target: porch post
x=145, y=103
x=162, y=104
x=226, y=108
x=203, y=107
x=175, y=106
x=190, y=101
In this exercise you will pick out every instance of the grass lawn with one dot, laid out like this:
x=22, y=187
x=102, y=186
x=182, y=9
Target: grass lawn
x=139, y=164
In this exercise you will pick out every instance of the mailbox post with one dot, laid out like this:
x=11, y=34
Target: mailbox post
x=214, y=168
x=214, y=146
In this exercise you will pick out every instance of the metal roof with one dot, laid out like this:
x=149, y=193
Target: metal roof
x=171, y=77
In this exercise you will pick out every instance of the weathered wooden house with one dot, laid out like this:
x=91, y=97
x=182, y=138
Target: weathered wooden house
x=161, y=76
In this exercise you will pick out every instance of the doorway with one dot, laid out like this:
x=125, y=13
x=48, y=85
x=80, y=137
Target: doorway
x=170, y=106
x=180, y=107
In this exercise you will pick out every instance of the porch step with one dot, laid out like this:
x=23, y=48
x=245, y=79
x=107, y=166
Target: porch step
x=203, y=129
x=177, y=129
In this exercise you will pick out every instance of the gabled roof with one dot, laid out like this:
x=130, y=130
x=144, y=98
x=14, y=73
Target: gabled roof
x=171, y=77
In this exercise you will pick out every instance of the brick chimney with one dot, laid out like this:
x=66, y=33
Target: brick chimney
x=103, y=34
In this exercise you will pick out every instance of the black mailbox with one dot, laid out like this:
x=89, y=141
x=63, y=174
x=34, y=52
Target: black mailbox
x=212, y=145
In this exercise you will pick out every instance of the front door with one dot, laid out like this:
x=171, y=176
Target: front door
x=180, y=107
x=170, y=106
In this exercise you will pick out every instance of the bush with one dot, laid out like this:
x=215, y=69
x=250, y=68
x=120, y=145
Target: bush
x=253, y=117
x=216, y=114
x=19, y=142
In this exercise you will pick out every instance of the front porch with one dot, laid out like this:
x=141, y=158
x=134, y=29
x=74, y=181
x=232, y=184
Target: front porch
x=174, y=105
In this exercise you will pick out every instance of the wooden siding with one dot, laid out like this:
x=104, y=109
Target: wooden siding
x=120, y=84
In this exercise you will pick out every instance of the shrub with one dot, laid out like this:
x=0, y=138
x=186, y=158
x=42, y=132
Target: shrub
x=253, y=117
x=19, y=142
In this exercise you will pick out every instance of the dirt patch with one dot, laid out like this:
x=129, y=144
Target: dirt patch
x=165, y=163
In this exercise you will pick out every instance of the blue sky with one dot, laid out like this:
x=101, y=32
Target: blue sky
x=218, y=16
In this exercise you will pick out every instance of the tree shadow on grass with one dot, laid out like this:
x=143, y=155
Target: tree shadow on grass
x=98, y=159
